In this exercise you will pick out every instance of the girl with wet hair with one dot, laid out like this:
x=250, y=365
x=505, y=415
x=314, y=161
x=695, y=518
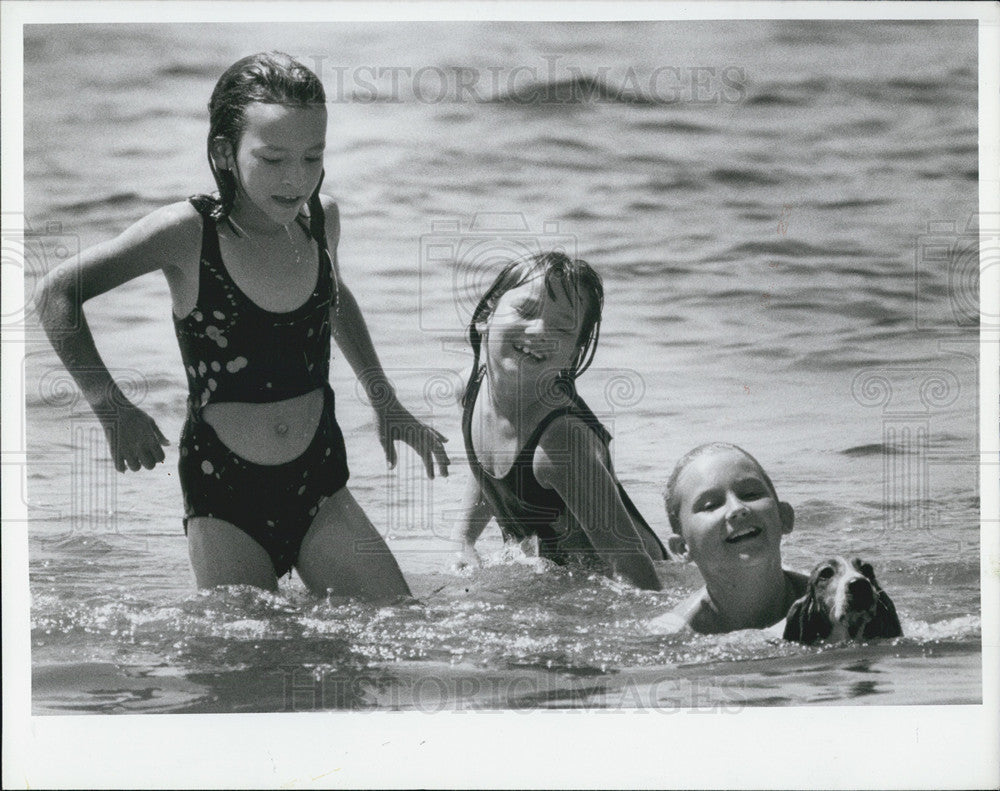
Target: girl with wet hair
x=257, y=296
x=539, y=457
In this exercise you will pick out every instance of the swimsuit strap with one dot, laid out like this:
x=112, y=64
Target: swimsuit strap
x=577, y=408
x=235, y=350
x=211, y=252
x=525, y=459
x=472, y=393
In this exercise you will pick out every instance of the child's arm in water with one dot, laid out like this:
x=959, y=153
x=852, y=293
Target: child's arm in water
x=476, y=514
x=167, y=239
x=694, y=614
x=572, y=460
x=351, y=333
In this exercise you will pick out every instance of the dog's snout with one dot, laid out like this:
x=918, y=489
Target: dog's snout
x=860, y=593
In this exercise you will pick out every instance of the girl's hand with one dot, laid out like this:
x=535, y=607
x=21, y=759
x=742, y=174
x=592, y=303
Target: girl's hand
x=396, y=423
x=133, y=437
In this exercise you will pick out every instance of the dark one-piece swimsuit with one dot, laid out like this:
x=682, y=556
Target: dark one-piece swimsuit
x=522, y=506
x=236, y=351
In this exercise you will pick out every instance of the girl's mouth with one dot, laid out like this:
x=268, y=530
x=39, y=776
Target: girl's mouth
x=744, y=534
x=528, y=352
x=288, y=202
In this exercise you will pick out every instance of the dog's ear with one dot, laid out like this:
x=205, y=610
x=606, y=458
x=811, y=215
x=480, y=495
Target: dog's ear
x=793, y=621
x=805, y=624
x=866, y=569
x=885, y=622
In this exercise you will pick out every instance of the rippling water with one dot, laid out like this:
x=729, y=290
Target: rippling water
x=765, y=216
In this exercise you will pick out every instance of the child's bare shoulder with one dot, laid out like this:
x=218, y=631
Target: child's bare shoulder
x=331, y=213
x=166, y=238
x=179, y=218
x=565, y=444
x=569, y=432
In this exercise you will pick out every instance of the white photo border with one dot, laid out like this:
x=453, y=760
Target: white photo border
x=834, y=747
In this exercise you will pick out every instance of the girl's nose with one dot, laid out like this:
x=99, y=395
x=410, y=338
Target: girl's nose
x=295, y=174
x=736, y=510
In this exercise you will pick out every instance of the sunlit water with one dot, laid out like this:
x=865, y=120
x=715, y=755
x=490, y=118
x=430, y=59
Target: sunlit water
x=763, y=252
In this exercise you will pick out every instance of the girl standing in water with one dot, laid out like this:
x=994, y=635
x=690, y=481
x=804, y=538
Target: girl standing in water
x=256, y=295
x=539, y=456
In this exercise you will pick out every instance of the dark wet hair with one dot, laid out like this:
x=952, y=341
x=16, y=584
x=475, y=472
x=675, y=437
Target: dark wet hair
x=671, y=498
x=269, y=78
x=574, y=276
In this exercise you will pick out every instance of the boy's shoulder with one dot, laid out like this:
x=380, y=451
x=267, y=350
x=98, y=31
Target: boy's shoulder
x=700, y=613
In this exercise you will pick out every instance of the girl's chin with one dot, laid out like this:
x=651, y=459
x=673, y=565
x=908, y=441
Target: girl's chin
x=533, y=376
x=271, y=218
x=283, y=216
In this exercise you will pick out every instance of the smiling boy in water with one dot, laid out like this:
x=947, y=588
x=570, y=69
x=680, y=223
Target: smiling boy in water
x=727, y=518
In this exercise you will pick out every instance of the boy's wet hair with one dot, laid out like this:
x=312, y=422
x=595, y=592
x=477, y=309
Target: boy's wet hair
x=672, y=500
x=574, y=276
x=268, y=78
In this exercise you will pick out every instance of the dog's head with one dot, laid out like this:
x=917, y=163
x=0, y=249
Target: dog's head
x=842, y=602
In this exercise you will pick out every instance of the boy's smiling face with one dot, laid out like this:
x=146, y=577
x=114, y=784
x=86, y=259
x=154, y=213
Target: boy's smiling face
x=729, y=515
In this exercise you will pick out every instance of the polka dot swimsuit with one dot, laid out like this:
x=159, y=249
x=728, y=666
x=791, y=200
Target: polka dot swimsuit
x=234, y=350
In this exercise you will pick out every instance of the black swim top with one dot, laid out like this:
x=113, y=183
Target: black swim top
x=521, y=505
x=235, y=350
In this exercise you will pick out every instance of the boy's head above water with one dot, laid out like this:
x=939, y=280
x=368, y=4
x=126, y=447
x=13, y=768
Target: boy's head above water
x=724, y=510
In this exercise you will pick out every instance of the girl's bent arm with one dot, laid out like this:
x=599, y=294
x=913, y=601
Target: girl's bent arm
x=573, y=461
x=354, y=340
x=158, y=241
